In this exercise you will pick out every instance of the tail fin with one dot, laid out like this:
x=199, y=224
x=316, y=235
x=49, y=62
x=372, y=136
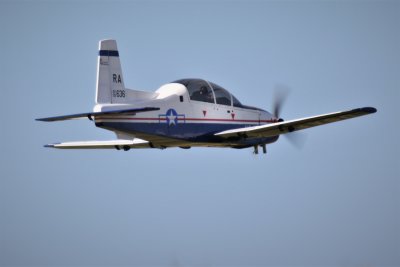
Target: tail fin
x=110, y=82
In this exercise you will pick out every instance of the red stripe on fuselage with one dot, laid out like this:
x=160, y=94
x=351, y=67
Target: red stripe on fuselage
x=184, y=119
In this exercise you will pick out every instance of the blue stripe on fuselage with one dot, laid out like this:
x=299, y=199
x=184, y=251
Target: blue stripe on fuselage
x=193, y=132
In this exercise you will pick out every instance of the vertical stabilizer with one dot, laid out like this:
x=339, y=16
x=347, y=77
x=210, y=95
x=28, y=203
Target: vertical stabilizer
x=110, y=82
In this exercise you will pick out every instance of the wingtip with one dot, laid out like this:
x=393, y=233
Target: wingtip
x=50, y=145
x=369, y=109
x=44, y=119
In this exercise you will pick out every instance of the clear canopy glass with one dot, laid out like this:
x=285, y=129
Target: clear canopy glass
x=201, y=90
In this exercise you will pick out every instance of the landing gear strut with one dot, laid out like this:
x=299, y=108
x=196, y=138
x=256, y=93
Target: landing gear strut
x=264, y=149
x=255, y=150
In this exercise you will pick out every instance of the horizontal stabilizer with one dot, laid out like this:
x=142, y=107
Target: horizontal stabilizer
x=90, y=115
x=274, y=129
x=115, y=144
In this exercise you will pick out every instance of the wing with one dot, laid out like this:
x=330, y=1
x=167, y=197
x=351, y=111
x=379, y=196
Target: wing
x=115, y=144
x=275, y=129
x=104, y=113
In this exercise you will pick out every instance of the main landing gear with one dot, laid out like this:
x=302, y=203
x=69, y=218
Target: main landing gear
x=264, y=149
x=125, y=148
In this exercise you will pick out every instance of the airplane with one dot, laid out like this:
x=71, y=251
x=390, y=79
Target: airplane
x=185, y=113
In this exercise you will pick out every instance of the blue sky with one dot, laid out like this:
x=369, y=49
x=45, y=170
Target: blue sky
x=334, y=202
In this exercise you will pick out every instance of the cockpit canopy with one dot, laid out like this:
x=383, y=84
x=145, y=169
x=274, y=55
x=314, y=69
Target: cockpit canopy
x=204, y=91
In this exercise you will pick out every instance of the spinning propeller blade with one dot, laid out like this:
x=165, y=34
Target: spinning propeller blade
x=281, y=93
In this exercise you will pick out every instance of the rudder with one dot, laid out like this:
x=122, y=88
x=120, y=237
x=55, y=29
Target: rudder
x=110, y=84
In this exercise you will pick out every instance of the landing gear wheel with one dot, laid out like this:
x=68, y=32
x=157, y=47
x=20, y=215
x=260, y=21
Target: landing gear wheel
x=255, y=150
x=264, y=147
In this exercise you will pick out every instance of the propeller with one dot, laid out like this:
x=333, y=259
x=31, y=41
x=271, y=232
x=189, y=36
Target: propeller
x=297, y=139
x=281, y=93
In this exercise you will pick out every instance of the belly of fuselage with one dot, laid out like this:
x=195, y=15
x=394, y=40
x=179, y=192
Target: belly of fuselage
x=190, y=132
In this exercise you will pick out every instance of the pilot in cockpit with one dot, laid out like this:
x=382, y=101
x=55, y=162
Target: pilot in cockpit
x=203, y=91
x=205, y=94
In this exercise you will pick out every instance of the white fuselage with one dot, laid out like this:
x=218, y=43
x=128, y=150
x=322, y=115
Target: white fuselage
x=180, y=119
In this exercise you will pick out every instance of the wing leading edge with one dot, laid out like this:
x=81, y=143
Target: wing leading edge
x=275, y=129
